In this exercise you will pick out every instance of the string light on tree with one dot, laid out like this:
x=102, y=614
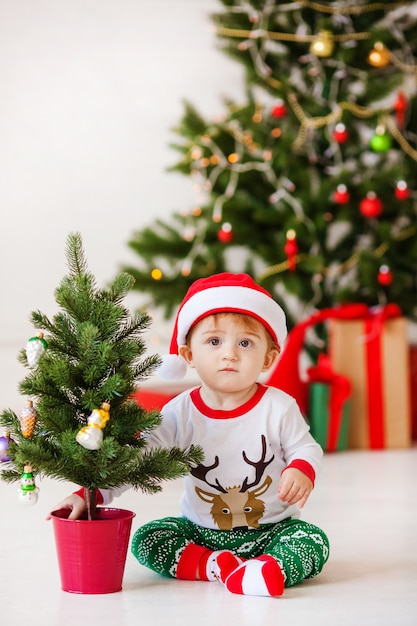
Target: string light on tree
x=371, y=205
x=156, y=274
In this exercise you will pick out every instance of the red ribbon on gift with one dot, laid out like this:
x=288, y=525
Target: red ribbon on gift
x=286, y=374
x=339, y=391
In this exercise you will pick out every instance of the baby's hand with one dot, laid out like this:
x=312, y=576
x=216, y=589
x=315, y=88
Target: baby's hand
x=73, y=502
x=294, y=486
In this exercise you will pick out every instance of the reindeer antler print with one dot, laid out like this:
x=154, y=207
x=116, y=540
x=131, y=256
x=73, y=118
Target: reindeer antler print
x=201, y=472
x=258, y=465
x=238, y=506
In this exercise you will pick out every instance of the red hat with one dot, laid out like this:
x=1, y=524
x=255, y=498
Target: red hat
x=222, y=293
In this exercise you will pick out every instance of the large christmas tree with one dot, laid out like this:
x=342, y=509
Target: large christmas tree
x=80, y=422
x=311, y=184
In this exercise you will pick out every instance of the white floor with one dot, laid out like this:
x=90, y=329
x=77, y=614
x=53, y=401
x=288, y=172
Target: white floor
x=366, y=502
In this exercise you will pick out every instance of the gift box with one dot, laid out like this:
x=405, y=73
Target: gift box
x=370, y=348
x=413, y=390
x=329, y=405
x=373, y=353
x=320, y=419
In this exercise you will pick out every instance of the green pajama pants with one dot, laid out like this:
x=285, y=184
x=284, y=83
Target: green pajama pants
x=300, y=548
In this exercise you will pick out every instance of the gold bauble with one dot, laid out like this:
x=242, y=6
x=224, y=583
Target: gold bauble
x=323, y=44
x=379, y=56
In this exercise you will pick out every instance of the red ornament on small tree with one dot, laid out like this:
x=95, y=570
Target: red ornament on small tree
x=371, y=205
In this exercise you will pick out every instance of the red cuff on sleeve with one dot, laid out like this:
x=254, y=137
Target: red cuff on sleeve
x=80, y=493
x=303, y=466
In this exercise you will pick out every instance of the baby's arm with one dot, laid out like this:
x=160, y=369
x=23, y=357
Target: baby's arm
x=294, y=486
x=73, y=502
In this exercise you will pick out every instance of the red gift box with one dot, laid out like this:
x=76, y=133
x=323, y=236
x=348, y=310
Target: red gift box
x=378, y=368
x=374, y=354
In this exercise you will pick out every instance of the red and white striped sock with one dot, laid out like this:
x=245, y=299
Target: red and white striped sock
x=220, y=564
x=257, y=577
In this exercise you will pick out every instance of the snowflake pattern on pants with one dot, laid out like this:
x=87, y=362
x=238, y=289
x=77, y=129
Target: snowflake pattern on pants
x=300, y=548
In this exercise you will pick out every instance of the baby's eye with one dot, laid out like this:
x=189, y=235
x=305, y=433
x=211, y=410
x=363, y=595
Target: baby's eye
x=214, y=341
x=245, y=343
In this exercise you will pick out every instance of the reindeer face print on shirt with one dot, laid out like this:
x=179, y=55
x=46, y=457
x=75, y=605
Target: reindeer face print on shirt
x=239, y=506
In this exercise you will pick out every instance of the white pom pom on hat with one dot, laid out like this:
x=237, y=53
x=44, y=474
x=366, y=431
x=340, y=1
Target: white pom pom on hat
x=221, y=293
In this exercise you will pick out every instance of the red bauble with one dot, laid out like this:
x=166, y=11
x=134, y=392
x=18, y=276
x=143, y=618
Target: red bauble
x=291, y=249
x=341, y=195
x=371, y=206
x=402, y=191
x=279, y=110
x=400, y=108
x=225, y=234
x=384, y=275
x=340, y=133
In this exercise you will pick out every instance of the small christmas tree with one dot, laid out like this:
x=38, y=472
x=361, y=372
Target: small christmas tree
x=80, y=422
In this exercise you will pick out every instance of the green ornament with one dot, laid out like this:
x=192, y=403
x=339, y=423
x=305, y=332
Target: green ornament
x=381, y=142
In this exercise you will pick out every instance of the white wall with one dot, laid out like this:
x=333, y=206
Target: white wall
x=89, y=92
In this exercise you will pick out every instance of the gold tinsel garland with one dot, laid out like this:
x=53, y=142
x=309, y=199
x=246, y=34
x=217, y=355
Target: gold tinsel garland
x=350, y=262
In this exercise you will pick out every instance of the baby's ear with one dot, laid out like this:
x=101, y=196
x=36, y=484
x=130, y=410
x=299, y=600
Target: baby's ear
x=270, y=358
x=187, y=355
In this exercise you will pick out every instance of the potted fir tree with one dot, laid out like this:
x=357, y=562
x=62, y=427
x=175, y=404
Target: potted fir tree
x=80, y=423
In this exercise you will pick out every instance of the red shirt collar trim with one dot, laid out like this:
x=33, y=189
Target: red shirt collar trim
x=220, y=414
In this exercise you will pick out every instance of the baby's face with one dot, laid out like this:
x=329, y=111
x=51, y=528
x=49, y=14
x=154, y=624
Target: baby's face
x=228, y=354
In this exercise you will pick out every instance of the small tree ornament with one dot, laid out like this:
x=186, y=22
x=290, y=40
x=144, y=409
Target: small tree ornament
x=4, y=446
x=28, y=491
x=91, y=436
x=27, y=418
x=35, y=347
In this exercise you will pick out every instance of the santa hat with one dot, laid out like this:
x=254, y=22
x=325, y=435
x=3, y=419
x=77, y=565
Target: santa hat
x=221, y=293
